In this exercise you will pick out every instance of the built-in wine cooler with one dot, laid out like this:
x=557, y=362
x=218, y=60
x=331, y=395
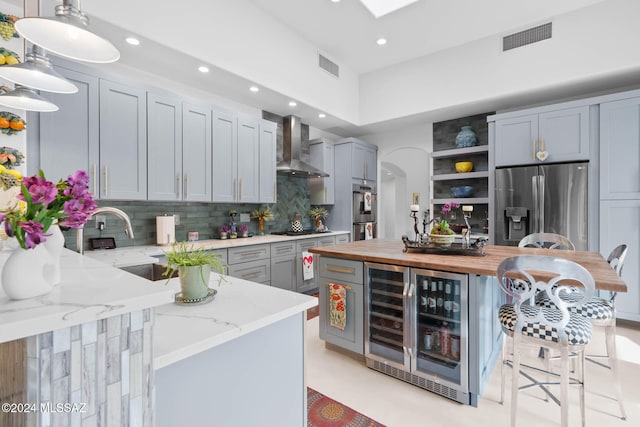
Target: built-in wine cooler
x=416, y=327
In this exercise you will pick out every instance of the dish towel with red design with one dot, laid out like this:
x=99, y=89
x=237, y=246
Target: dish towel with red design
x=368, y=231
x=337, y=305
x=307, y=265
x=367, y=202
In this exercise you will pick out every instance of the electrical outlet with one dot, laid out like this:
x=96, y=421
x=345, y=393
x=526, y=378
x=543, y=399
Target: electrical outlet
x=176, y=218
x=245, y=217
x=101, y=222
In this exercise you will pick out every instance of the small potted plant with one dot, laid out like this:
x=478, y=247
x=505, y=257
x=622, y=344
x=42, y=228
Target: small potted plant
x=441, y=233
x=224, y=231
x=194, y=268
x=262, y=214
x=244, y=230
x=318, y=214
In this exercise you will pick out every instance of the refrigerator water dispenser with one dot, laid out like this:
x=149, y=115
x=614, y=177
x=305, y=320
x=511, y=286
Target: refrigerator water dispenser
x=516, y=221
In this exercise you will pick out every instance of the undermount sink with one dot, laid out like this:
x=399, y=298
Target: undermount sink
x=151, y=272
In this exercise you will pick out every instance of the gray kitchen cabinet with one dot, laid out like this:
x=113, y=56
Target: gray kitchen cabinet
x=321, y=190
x=224, y=156
x=342, y=238
x=620, y=149
x=363, y=157
x=351, y=274
x=250, y=263
x=283, y=265
x=164, y=142
x=301, y=284
x=326, y=241
x=69, y=138
x=236, y=151
x=620, y=194
x=123, y=142
x=551, y=134
x=620, y=224
x=267, y=159
x=248, y=147
x=196, y=153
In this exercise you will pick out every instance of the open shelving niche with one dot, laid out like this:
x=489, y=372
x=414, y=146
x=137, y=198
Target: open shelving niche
x=444, y=175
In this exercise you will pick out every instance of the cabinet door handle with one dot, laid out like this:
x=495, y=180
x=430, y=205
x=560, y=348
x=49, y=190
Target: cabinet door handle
x=340, y=270
x=179, y=185
x=106, y=180
x=95, y=179
x=186, y=185
x=533, y=149
x=541, y=144
x=240, y=191
x=234, y=189
x=275, y=191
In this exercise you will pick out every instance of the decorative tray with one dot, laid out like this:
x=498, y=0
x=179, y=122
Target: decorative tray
x=476, y=249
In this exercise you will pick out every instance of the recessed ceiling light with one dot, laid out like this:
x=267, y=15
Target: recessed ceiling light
x=203, y=69
x=132, y=41
x=254, y=88
x=381, y=41
x=322, y=115
x=292, y=103
x=335, y=1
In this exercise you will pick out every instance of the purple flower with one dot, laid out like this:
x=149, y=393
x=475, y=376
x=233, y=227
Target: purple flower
x=41, y=190
x=33, y=233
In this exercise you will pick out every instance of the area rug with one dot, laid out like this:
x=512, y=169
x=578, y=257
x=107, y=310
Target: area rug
x=313, y=312
x=325, y=412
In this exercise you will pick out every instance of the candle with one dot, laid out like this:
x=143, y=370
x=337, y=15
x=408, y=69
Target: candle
x=414, y=208
x=467, y=208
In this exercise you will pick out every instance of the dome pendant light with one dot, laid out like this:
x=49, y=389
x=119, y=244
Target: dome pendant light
x=67, y=34
x=36, y=72
x=25, y=98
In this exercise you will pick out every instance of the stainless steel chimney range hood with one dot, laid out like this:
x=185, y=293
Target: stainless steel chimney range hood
x=291, y=163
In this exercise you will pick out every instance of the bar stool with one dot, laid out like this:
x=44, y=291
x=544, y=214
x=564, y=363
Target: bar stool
x=551, y=327
x=601, y=312
x=546, y=241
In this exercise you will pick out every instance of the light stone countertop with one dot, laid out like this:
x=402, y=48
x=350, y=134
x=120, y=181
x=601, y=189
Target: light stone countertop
x=146, y=254
x=240, y=307
x=89, y=290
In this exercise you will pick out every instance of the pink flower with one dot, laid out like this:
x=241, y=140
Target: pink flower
x=41, y=190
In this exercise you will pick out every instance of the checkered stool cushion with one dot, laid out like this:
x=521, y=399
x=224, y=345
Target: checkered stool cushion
x=578, y=329
x=595, y=309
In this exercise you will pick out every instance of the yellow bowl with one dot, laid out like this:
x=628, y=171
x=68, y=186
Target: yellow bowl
x=462, y=167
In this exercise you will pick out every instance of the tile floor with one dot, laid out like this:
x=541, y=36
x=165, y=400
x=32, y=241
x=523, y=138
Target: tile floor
x=398, y=404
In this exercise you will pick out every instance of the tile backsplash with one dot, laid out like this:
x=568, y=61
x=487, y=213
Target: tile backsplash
x=205, y=218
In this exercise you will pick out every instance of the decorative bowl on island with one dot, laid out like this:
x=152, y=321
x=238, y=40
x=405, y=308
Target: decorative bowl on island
x=462, y=192
x=463, y=167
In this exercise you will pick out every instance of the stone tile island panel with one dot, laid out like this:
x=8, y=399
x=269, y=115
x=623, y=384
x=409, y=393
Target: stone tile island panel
x=99, y=373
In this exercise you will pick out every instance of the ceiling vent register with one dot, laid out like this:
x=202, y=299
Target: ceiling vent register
x=523, y=38
x=328, y=65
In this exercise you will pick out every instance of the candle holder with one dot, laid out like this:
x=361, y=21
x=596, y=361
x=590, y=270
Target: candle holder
x=466, y=214
x=414, y=214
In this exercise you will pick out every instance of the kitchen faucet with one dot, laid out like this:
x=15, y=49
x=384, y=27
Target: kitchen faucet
x=106, y=209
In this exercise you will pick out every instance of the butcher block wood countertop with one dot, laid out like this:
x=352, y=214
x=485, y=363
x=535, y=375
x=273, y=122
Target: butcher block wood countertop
x=390, y=252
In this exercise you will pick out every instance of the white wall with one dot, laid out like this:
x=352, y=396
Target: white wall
x=596, y=41
x=405, y=151
x=240, y=38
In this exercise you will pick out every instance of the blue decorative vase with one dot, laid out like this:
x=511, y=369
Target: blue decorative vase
x=466, y=137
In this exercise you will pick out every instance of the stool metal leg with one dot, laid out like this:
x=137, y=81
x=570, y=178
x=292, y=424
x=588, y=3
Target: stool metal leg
x=610, y=338
x=514, y=378
x=564, y=387
x=581, y=384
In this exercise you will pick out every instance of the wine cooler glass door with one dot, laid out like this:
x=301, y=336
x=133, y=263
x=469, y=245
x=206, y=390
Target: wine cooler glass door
x=386, y=319
x=440, y=332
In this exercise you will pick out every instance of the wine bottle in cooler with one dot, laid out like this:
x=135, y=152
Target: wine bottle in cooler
x=448, y=299
x=424, y=295
x=433, y=295
x=456, y=301
x=440, y=298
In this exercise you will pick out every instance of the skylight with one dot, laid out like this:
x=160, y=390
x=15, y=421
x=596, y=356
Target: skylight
x=382, y=7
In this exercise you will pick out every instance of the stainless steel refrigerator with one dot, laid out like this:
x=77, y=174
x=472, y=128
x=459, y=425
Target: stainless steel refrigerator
x=534, y=199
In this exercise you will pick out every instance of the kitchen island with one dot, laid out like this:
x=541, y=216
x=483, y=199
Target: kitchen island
x=388, y=320
x=106, y=341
